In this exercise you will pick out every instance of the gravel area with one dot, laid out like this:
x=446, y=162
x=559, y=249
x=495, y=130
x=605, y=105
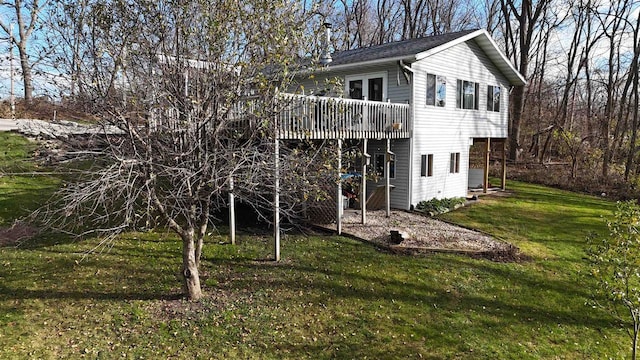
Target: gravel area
x=54, y=129
x=422, y=232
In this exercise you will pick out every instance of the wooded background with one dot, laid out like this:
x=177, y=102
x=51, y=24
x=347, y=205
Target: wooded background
x=575, y=124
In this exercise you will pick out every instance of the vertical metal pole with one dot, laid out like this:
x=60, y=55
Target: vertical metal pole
x=363, y=184
x=12, y=98
x=504, y=164
x=276, y=197
x=339, y=192
x=387, y=179
x=485, y=181
x=305, y=205
x=232, y=212
x=276, y=201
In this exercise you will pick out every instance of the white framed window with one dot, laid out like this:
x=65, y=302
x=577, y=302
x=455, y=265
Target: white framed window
x=426, y=165
x=378, y=164
x=372, y=86
x=467, y=94
x=436, y=90
x=493, y=98
x=454, y=163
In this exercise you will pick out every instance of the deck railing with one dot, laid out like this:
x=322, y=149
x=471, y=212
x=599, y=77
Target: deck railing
x=314, y=117
x=317, y=117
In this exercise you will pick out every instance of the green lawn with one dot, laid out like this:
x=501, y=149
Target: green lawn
x=19, y=194
x=330, y=297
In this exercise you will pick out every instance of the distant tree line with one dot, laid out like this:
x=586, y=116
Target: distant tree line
x=580, y=57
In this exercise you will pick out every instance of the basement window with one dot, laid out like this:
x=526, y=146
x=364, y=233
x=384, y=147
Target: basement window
x=454, y=163
x=426, y=165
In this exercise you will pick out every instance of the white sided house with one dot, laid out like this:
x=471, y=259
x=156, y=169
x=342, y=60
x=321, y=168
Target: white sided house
x=414, y=108
x=424, y=101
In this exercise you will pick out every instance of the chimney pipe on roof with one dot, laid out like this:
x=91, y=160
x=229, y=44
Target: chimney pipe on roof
x=325, y=59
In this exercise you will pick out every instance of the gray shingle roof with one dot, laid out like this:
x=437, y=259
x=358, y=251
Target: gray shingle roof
x=396, y=49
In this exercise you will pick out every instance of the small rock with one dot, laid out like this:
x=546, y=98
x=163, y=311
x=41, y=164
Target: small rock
x=398, y=236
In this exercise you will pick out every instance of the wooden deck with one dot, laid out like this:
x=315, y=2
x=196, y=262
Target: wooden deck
x=313, y=117
x=306, y=117
x=310, y=117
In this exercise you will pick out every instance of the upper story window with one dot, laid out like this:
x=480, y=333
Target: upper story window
x=355, y=89
x=467, y=95
x=367, y=86
x=493, y=98
x=375, y=89
x=436, y=90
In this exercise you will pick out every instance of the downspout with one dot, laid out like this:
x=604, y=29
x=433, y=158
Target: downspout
x=406, y=70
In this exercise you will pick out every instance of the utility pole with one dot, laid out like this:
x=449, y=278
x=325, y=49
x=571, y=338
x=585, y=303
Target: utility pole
x=12, y=98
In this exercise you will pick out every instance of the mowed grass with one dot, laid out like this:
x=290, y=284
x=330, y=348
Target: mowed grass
x=21, y=190
x=330, y=296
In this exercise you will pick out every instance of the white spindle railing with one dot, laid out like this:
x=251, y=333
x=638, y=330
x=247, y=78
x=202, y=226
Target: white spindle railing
x=332, y=118
x=315, y=117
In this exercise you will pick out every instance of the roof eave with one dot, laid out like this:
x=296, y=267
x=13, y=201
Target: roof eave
x=370, y=62
x=500, y=60
x=485, y=41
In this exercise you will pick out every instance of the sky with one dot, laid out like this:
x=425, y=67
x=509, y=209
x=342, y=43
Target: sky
x=42, y=82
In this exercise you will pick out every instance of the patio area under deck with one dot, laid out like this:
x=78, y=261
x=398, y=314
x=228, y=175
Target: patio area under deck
x=303, y=117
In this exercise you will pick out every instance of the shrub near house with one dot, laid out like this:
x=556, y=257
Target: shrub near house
x=440, y=206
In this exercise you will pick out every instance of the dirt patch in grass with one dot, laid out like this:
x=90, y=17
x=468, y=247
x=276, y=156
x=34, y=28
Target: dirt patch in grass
x=17, y=233
x=180, y=308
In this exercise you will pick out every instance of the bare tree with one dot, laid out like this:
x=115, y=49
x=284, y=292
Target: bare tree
x=67, y=23
x=364, y=23
x=26, y=15
x=633, y=82
x=613, y=22
x=388, y=14
x=488, y=15
x=195, y=100
x=519, y=42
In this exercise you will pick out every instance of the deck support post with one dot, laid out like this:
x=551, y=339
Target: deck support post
x=232, y=212
x=387, y=180
x=504, y=165
x=339, y=191
x=363, y=181
x=276, y=201
x=487, y=152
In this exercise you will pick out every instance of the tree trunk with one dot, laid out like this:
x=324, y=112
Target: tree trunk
x=635, y=94
x=190, y=272
x=26, y=73
x=547, y=144
x=635, y=342
x=517, y=100
x=634, y=131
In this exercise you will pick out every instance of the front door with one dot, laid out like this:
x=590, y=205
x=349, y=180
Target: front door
x=366, y=86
